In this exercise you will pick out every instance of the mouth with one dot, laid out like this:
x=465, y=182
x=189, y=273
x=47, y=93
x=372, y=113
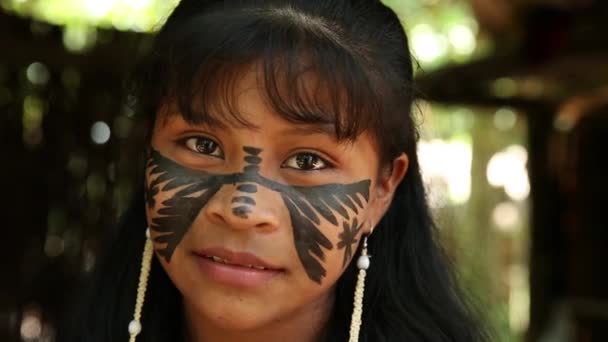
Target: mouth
x=235, y=269
x=224, y=261
x=243, y=259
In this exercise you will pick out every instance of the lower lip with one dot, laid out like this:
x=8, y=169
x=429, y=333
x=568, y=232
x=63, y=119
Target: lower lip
x=235, y=276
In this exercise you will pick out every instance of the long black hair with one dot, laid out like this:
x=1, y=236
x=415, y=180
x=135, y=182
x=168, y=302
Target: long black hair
x=358, y=55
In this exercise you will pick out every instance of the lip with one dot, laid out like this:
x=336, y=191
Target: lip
x=236, y=273
x=237, y=258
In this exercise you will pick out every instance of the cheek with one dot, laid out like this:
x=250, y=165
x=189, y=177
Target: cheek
x=155, y=199
x=335, y=261
x=182, y=268
x=345, y=239
x=154, y=204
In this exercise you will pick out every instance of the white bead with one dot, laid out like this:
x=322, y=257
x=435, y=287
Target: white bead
x=134, y=327
x=148, y=233
x=363, y=262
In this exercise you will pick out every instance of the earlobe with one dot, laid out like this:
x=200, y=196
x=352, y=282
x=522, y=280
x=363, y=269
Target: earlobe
x=384, y=190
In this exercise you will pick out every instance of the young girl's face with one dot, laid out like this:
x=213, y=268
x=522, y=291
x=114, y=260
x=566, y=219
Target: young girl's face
x=255, y=224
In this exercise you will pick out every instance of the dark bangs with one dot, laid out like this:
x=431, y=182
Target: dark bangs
x=307, y=70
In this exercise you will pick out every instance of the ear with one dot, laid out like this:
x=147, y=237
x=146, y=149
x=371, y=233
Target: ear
x=384, y=189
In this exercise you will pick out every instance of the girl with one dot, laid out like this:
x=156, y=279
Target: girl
x=281, y=154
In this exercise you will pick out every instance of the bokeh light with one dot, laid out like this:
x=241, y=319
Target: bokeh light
x=505, y=119
x=136, y=15
x=463, y=39
x=448, y=162
x=100, y=132
x=506, y=216
x=37, y=73
x=428, y=45
x=507, y=169
x=504, y=87
x=31, y=325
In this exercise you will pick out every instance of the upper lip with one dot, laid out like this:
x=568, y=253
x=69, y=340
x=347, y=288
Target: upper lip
x=236, y=258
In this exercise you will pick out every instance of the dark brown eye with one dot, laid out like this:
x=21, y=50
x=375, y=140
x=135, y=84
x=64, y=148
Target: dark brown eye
x=204, y=145
x=306, y=162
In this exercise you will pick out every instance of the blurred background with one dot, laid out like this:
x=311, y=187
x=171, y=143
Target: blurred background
x=513, y=110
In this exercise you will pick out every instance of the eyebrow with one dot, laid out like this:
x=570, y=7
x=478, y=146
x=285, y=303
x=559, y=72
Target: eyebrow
x=311, y=129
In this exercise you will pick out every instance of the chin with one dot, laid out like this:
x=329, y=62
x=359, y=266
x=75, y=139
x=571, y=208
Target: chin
x=231, y=317
x=237, y=323
x=236, y=312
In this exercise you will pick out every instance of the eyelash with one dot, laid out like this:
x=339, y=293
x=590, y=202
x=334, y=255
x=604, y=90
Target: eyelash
x=326, y=164
x=185, y=143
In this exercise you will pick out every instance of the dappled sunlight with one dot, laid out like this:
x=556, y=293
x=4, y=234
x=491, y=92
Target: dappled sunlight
x=474, y=165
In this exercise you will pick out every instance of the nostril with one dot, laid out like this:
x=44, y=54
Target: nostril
x=216, y=217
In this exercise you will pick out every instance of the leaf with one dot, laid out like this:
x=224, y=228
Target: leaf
x=178, y=212
x=165, y=169
x=308, y=241
x=304, y=203
x=323, y=199
x=348, y=202
x=348, y=238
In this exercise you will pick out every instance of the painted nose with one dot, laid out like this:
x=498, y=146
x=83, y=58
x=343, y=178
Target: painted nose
x=245, y=206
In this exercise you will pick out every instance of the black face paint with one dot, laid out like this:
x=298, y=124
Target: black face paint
x=305, y=204
x=251, y=169
x=241, y=211
x=348, y=238
x=178, y=212
x=248, y=188
x=243, y=199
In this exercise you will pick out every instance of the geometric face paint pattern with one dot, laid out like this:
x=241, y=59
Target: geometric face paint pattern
x=244, y=202
x=306, y=205
x=348, y=238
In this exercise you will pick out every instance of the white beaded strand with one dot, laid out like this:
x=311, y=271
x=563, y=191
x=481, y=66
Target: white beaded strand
x=363, y=264
x=146, y=262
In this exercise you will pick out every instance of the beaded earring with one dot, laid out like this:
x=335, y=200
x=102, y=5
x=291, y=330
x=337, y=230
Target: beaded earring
x=146, y=263
x=363, y=264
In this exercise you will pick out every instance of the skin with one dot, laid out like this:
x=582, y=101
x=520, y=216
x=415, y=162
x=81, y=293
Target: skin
x=196, y=188
x=289, y=193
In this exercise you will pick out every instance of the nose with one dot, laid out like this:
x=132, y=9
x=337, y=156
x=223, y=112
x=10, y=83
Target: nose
x=245, y=206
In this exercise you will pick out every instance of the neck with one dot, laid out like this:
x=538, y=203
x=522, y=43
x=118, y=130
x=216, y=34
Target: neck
x=305, y=325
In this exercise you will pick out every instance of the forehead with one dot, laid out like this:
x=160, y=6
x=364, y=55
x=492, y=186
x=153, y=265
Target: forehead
x=223, y=93
x=245, y=100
